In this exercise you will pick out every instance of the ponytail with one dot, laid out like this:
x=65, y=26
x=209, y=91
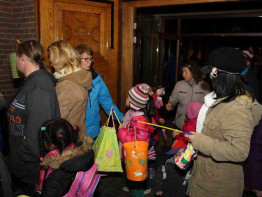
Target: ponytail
x=58, y=132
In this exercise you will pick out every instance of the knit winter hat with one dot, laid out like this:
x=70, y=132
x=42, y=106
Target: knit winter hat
x=248, y=54
x=138, y=96
x=227, y=60
x=193, y=109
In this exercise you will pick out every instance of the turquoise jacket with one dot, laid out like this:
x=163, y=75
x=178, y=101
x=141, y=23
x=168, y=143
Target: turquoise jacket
x=98, y=96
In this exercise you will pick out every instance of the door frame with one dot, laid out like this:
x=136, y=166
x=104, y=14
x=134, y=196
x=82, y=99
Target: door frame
x=127, y=47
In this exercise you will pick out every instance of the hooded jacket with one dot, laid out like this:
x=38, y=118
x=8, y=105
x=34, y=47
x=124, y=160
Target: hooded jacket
x=34, y=104
x=65, y=166
x=223, y=145
x=72, y=93
x=98, y=96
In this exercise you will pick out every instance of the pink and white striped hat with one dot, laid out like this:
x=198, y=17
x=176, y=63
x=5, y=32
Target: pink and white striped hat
x=138, y=96
x=248, y=54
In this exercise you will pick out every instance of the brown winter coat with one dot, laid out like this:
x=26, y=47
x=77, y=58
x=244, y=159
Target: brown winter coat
x=223, y=145
x=72, y=94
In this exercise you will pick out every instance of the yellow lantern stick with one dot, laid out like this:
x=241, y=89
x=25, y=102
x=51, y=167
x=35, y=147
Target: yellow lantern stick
x=18, y=41
x=117, y=118
x=156, y=125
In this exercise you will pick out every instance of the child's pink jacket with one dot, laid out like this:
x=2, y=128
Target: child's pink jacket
x=143, y=131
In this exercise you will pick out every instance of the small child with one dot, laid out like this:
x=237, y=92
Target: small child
x=176, y=181
x=65, y=157
x=158, y=103
x=137, y=101
x=192, y=111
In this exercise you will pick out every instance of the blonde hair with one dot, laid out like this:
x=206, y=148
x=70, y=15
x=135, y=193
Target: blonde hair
x=62, y=54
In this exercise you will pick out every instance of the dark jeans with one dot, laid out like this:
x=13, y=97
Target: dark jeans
x=21, y=188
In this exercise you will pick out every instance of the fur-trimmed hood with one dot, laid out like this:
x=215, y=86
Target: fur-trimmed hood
x=80, y=158
x=79, y=76
x=247, y=102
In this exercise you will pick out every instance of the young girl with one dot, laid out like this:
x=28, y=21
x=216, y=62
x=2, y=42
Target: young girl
x=176, y=182
x=139, y=111
x=66, y=156
x=190, y=124
x=137, y=100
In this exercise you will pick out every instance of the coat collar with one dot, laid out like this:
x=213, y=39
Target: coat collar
x=66, y=71
x=56, y=160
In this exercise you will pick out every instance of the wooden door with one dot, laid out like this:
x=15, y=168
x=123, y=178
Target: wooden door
x=85, y=22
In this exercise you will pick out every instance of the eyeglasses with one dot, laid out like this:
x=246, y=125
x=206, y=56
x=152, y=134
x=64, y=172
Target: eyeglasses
x=87, y=59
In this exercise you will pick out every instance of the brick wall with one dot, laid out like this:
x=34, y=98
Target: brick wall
x=17, y=20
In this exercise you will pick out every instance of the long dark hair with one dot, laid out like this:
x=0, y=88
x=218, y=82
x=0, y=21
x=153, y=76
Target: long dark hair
x=34, y=51
x=58, y=132
x=149, y=110
x=230, y=86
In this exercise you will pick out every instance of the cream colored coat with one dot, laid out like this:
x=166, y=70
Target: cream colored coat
x=223, y=145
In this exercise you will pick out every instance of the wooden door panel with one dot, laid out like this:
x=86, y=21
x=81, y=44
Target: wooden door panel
x=80, y=24
x=85, y=22
x=81, y=27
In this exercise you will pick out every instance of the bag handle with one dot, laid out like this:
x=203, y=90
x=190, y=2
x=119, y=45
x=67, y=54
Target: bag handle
x=135, y=136
x=110, y=116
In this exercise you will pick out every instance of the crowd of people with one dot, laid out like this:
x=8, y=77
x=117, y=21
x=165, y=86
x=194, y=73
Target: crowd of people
x=54, y=119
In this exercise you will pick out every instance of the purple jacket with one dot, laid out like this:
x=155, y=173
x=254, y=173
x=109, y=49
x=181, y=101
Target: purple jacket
x=253, y=165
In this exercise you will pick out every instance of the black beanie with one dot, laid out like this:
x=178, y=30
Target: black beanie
x=227, y=59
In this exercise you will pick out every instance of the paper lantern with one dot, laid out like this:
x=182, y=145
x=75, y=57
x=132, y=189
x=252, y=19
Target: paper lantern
x=14, y=71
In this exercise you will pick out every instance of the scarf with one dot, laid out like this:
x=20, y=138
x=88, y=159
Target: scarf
x=129, y=115
x=209, y=101
x=191, y=82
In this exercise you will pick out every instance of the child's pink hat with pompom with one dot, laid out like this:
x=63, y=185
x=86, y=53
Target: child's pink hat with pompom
x=193, y=109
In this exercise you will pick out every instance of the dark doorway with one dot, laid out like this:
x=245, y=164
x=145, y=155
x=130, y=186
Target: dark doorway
x=166, y=37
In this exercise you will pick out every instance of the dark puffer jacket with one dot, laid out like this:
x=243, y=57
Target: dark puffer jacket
x=65, y=167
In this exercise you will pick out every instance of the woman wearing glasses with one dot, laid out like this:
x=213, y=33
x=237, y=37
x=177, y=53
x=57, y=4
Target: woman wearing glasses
x=98, y=96
x=73, y=83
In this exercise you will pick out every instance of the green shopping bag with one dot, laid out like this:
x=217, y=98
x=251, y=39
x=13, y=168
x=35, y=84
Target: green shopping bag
x=106, y=149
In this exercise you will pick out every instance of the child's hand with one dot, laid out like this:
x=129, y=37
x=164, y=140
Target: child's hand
x=159, y=193
x=37, y=187
x=151, y=92
x=191, y=137
x=174, y=134
x=160, y=91
x=161, y=120
x=169, y=106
